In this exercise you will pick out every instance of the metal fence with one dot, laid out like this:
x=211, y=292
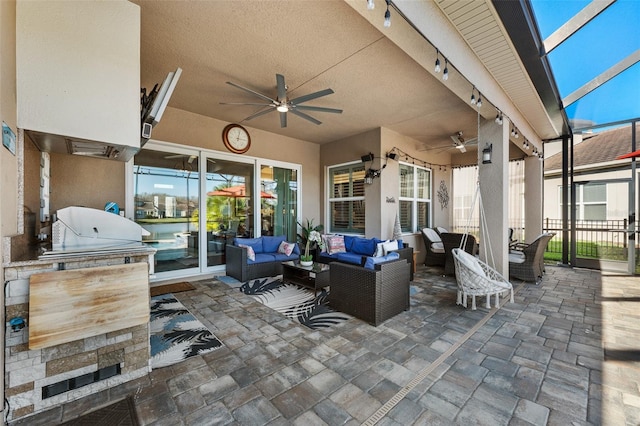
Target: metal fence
x=593, y=237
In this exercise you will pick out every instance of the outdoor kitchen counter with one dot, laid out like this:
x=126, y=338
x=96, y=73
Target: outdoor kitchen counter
x=67, y=335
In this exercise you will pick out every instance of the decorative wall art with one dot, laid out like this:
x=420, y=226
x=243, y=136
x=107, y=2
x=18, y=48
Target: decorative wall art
x=8, y=138
x=443, y=195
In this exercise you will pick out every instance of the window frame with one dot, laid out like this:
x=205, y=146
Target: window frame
x=330, y=199
x=415, y=200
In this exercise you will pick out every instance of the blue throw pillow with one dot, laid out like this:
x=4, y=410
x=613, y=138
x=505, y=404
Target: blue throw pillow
x=371, y=262
x=364, y=246
x=348, y=242
x=270, y=244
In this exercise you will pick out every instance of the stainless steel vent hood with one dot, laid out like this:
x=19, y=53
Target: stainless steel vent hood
x=66, y=145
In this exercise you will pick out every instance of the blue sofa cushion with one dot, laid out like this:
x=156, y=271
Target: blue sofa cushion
x=270, y=244
x=371, y=262
x=263, y=258
x=364, y=246
x=255, y=243
x=281, y=257
x=353, y=258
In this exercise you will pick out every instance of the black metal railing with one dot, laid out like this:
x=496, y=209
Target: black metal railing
x=594, y=238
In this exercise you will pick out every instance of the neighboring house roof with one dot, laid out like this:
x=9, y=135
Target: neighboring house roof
x=602, y=147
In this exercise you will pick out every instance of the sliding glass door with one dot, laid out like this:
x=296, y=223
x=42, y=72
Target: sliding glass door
x=194, y=203
x=166, y=200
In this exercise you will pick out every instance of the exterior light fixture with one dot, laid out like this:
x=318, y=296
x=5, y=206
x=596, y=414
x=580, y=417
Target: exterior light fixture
x=371, y=5
x=445, y=73
x=387, y=16
x=473, y=96
x=437, y=68
x=498, y=117
x=513, y=131
x=392, y=155
x=486, y=154
x=367, y=157
x=517, y=135
x=479, y=103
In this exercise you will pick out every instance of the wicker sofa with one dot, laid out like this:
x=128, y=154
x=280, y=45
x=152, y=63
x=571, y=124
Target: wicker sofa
x=372, y=295
x=267, y=263
x=359, y=248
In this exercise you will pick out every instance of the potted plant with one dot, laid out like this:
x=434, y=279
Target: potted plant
x=310, y=237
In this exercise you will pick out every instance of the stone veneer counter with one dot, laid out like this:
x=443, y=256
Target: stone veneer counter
x=39, y=379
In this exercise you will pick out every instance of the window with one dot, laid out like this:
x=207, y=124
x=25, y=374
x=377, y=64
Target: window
x=415, y=198
x=346, y=199
x=591, y=201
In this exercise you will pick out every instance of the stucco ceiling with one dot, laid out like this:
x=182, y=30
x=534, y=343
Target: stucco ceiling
x=315, y=45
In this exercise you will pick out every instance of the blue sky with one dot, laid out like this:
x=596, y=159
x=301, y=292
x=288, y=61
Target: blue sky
x=607, y=39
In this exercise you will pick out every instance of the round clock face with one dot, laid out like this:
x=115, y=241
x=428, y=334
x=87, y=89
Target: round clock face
x=236, y=138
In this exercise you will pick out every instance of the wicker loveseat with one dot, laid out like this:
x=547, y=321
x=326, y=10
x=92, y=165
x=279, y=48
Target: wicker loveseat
x=267, y=262
x=372, y=295
x=357, y=249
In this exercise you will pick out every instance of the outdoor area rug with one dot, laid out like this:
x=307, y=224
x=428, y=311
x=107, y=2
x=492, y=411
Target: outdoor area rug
x=295, y=302
x=176, y=334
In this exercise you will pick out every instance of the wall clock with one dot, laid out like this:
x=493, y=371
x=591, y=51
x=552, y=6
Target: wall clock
x=236, y=138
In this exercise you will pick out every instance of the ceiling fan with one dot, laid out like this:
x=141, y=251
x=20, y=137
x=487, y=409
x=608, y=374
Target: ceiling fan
x=459, y=143
x=283, y=104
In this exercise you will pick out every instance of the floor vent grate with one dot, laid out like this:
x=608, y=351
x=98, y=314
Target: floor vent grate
x=80, y=381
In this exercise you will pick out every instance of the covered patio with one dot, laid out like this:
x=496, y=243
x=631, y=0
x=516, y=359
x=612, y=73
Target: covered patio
x=564, y=353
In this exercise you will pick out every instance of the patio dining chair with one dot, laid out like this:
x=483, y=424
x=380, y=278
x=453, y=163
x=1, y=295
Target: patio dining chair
x=526, y=261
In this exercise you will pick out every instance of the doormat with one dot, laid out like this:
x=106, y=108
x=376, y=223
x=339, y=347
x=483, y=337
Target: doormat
x=171, y=288
x=176, y=334
x=295, y=302
x=121, y=413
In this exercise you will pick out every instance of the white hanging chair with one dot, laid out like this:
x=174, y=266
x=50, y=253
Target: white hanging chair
x=475, y=277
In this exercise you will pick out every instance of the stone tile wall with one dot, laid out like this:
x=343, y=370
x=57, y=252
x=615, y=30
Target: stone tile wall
x=28, y=371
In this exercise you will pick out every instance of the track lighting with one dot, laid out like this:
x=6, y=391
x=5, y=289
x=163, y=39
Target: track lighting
x=437, y=68
x=445, y=73
x=371, y=5
x=387, y=16
x=473, y=97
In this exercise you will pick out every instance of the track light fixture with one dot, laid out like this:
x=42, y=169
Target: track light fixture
x=387, y=16
x=371, y=5
x=445, y=73
x=437, y=68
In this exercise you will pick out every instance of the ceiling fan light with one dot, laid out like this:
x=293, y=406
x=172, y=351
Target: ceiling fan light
x=282, y=108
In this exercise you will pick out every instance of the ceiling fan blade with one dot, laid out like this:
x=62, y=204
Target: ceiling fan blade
x=259, y=113
x=310, y=96
x=305, y=116
x=243, y=103
x=253, y=92
x=319, y=109
x=282, y=88
x=283, y=119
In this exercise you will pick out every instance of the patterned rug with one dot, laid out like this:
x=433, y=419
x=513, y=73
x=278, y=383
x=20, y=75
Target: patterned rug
x=295, y=302
x=175, y=333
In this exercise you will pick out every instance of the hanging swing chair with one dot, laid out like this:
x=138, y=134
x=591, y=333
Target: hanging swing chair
x=475, y=277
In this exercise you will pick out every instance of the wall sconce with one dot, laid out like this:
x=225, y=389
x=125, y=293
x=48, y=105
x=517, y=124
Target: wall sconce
x=486, y=154
x=368, y=157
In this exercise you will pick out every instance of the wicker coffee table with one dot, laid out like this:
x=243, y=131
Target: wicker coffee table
x=314, y=277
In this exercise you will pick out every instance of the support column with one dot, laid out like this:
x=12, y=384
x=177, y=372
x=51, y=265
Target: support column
x=494, y=181
x=533, y=197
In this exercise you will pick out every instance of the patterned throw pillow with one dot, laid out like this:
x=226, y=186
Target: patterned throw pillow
x=251, y=255
x=336, y=244
x=389, y=246
x=286, y=248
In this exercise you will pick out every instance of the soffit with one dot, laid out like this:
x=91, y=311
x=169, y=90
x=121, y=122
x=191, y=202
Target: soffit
x=479, y=25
